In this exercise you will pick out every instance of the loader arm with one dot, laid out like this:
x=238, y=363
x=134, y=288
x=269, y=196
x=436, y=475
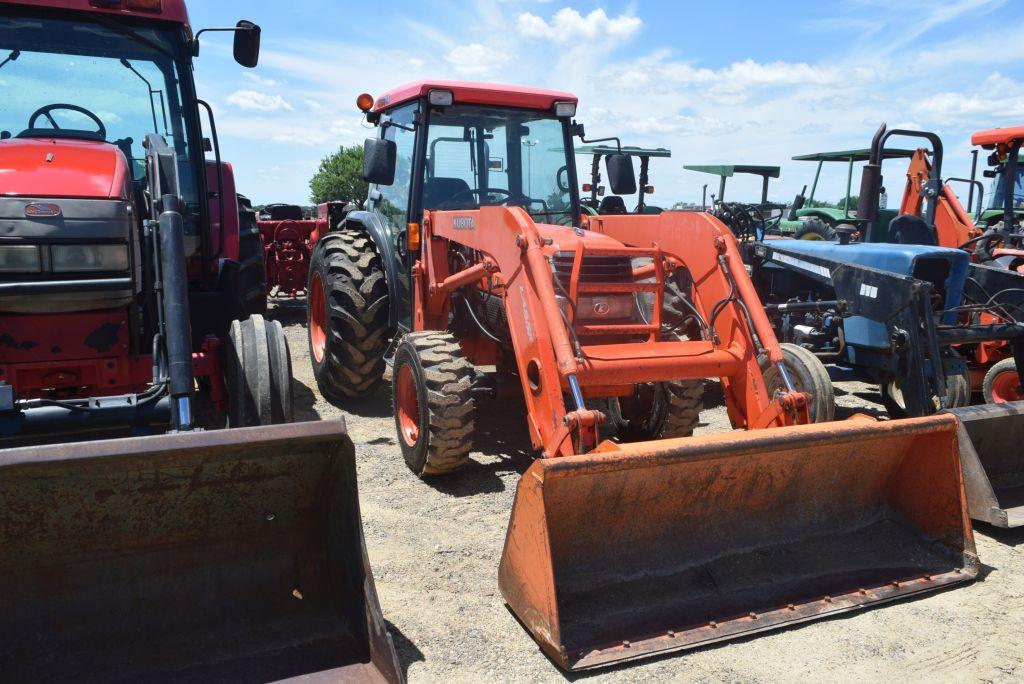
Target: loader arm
x=953, y=225
x=555, y=358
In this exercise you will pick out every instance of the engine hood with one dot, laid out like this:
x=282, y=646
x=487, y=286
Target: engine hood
x=77, y=169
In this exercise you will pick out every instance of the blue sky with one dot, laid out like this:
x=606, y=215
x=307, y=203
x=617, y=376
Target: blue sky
x=726, y=82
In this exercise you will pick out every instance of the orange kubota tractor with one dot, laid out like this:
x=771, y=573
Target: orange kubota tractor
x=223, y=555
x=997, y=245
x=628, y=537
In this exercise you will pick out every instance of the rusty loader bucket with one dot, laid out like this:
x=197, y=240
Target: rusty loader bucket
x=235, y=555
x=993, y=461
x=661, y=546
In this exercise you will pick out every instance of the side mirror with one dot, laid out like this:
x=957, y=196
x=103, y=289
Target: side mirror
x=870, y=184
x=621, y=177
x=247, y=44
x=379, y=160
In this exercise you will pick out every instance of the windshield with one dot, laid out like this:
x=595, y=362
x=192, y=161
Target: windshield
x=499, y=156
x=127, y=75
x=999, y=191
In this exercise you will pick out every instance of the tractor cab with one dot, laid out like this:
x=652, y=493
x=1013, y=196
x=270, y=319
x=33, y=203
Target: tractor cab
x=1007, y=174
x=445, y=145
x=600, y=203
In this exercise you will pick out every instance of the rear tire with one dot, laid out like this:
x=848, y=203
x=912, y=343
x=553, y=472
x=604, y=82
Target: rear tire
x=347, y=315
x=1002, y=383
x=258, y=374
x=809, y=375
x=433, y=402
x=253, y=273
x=815, y=229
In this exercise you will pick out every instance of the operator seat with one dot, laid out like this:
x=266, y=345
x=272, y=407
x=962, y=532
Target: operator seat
x=438, y=192
x=908, y=229
x=612, y=205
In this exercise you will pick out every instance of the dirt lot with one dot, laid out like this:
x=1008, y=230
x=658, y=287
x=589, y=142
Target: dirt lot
x=435, y=549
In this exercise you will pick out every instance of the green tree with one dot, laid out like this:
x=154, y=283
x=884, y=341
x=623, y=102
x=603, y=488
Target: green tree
x=340, y=177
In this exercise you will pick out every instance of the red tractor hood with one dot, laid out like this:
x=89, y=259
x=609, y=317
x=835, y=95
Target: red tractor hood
x=63, y=168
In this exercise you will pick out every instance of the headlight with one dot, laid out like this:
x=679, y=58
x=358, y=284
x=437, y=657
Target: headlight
x=20, y=259
x=77, y=258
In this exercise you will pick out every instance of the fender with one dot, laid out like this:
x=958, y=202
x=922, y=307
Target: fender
x=370, y=223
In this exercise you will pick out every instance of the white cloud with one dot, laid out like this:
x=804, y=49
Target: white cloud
x=253, y=100
x=475, y=59
x=568, y=26
x=256, y=78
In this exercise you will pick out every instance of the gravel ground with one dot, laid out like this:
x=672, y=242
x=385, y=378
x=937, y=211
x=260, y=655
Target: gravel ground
x=435, y=546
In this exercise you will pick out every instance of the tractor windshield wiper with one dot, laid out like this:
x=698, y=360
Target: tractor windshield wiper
x=13, y=57
x=163, y=106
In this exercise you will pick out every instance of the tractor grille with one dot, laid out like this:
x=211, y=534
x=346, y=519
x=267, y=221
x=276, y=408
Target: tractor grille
x=595, y=269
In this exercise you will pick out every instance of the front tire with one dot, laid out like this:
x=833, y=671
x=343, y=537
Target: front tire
x=808, y=375
x=258, y=374
x=1002, y=383
x=347, y=315
x=433, y=402
x=661, y=410
x=958, y=394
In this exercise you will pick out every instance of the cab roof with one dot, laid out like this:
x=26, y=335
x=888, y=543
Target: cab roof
x=854, y=155
x=998, y=136
x=729, y=170
x=170, y=10
x=466, y=92
x=626, y=150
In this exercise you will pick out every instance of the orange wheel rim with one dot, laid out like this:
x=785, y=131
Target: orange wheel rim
x=407, y=406
x=1006, y=388
x=318, y=319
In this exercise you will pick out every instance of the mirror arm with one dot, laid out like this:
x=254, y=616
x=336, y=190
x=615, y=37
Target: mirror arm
x=195, y=39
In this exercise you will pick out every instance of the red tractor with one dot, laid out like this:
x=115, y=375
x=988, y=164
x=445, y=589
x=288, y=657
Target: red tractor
x=126, y=288
x=288, y=239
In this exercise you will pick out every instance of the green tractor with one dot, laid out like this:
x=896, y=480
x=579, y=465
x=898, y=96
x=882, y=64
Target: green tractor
x=805, y=221
x=598, y=202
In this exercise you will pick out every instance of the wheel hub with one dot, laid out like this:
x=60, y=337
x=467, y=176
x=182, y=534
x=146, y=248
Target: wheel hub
x=318, y=319
x=1006, y=388
x=407, y=405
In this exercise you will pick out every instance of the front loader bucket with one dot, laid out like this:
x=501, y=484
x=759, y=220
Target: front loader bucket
x=993, y=461
x=235, y=555
x=670, y=545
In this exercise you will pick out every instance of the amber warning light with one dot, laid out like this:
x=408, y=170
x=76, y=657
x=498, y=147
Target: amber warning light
x=364, y=102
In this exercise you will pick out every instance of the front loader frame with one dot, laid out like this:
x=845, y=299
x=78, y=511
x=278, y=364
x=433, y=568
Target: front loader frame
x=554, y=356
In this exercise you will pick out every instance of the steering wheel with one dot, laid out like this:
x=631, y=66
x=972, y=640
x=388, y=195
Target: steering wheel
x=101, y=132
x=479, y=193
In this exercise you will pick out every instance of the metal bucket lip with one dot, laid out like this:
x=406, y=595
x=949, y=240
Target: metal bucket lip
x=739, y=444
x=288, y=434
x=698, y=636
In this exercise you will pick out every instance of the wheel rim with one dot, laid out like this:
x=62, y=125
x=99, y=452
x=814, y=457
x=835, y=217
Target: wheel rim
x=407, y=406
x=815, y=237
x=1006, y=388
x=318, y=319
